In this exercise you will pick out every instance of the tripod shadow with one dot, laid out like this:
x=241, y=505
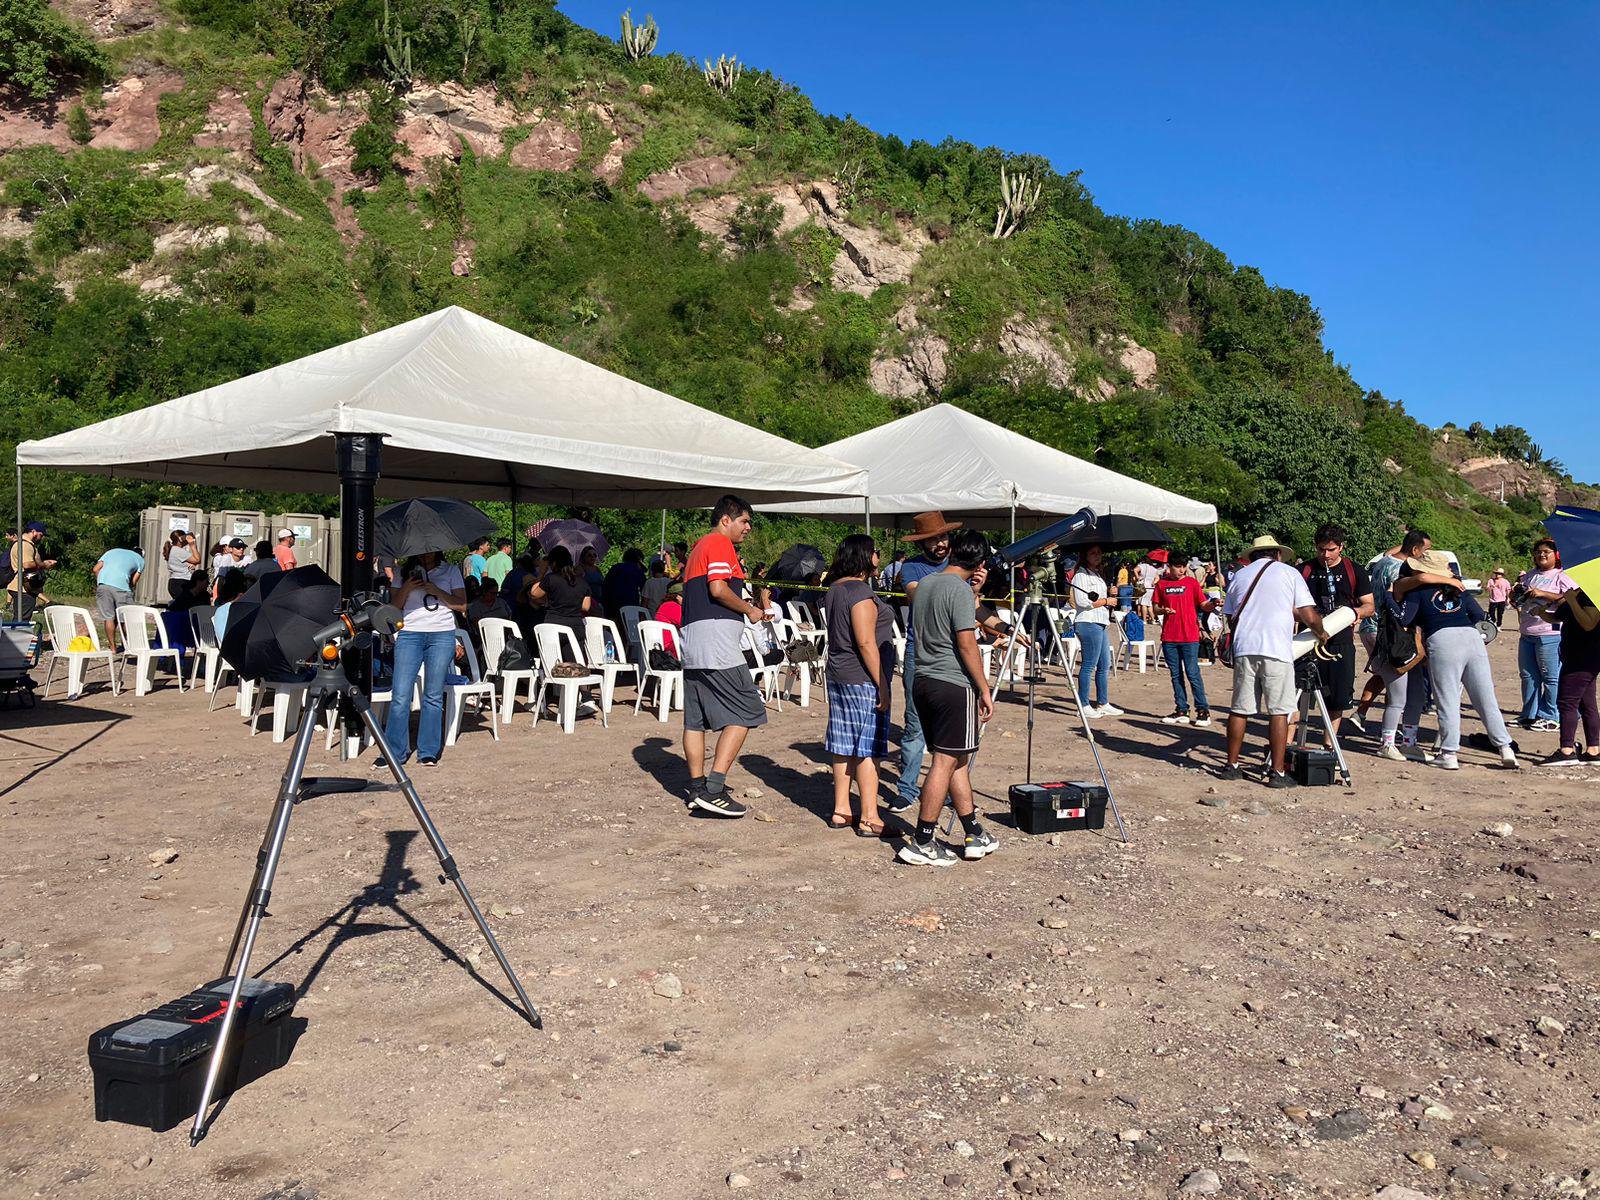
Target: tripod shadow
x=395, y=879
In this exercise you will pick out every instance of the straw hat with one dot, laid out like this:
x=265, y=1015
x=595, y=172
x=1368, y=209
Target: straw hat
x=1430, y=562
x=925, y=526
x=1265, y=542
x=1498, y=571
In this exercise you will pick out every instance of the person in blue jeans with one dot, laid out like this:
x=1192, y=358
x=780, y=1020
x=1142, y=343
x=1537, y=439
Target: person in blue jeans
x=932, y=532
x=430, y=595
x=1092, y=603
x=1179, y=601
x=1539, y=651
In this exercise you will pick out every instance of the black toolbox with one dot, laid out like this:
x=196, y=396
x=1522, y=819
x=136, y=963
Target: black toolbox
x=1054, y=807
x=149, y=1070
x=1312, y=766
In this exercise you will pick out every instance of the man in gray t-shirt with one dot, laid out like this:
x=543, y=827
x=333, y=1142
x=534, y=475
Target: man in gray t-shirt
x=951, y=694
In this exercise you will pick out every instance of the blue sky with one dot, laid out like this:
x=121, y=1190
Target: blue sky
x=1427, y=173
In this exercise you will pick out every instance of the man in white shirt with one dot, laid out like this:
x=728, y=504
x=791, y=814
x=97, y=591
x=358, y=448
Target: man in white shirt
x=1264, y=600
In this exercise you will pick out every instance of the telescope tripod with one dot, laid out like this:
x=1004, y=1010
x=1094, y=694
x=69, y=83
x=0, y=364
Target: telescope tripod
x=1309, y=680
x=330, y=688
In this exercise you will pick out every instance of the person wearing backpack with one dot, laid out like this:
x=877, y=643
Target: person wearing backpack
x=1336, y=582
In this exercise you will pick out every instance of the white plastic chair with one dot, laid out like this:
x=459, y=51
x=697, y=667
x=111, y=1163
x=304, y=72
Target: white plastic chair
x=796, y=676
x=134, y=623
x=558, y=644
x=288, y=699
x=765, y=677
x=65, y=622
x=632, y=614
x=207, y=649
x=475, y=689
x=493, y=631
x=595, y=632
x=652, y=636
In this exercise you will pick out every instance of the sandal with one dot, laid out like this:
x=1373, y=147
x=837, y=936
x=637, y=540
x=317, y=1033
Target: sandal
x=870, y=831
x=841, y=820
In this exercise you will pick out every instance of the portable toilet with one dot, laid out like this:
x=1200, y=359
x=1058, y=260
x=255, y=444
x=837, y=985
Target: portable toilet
x=333, y=528
x=310, y=537
x=150, y=539
x=238, y=523
x=169, y=518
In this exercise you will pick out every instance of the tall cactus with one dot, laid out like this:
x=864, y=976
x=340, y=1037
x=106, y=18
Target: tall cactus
x=397, y=51
x=638, y=41
x=1019, y=194
x=725, y=75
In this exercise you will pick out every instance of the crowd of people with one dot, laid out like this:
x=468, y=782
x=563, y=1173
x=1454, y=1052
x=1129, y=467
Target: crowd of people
x=1422, y=632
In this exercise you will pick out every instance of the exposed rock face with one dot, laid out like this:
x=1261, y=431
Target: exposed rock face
x=24, y=123
x=198, y=181
x=552, y=146
x=439, y=119
x=1138, y=362
x=114, y=18
x=919, y=368
x=227, y=123
x=677, y=182
x=869, y=259
x=128, y=120
x=1487, y=473
x=318, y=128
x=1031, y=347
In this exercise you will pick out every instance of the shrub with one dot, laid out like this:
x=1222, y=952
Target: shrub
x=39, y=49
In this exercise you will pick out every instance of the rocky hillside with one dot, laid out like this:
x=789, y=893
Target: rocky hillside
x=197, y=190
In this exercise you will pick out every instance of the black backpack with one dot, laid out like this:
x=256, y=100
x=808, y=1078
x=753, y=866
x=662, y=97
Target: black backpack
x=1396, y=645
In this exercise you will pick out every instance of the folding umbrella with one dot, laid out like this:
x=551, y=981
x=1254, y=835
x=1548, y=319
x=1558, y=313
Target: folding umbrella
x=270, y=628
x=432, y=523
x=1577, y=534
x=798, y=561
x=1118, y=532
x=576, y=536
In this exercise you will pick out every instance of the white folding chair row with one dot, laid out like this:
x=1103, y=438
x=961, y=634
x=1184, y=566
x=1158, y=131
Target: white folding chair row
x=796, y=676
x=765, y=676
x=66, y=622
x=493, y=632
x=652, y=636
x=476, y=689
x=207, y=649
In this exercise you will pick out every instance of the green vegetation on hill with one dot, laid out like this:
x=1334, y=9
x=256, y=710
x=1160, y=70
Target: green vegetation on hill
x=1249, y=410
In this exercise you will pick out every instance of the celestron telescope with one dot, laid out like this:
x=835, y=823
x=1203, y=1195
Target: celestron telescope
x=340, y=689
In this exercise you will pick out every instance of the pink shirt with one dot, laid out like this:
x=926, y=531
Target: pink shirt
x=1499, y=589
x=1558, y=581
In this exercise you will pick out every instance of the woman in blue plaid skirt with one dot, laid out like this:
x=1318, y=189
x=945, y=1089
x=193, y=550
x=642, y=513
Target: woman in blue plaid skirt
x=860, y=663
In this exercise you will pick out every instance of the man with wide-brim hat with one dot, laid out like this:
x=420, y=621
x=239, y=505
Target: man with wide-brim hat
x=1264, y=600
x=1499, y=592
x=930, y=533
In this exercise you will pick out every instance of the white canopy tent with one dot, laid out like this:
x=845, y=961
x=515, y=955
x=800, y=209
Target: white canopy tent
x=947, y=459
x=469, y=409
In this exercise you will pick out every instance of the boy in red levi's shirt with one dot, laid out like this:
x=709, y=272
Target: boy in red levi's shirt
x=1179, y=601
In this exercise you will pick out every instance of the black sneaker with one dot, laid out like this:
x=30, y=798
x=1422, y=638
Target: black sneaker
x=1179, y=717
x=926, y=854
x=979, y=843
x=1559, y=759
x=719, y=805
x=1280, y=779
x=1202, y=718
x=1230, y=771
x=426, y=761
x=898, y=805
x=697, y=787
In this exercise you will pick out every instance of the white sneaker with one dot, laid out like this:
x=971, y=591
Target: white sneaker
x=1091, y=712
x=1110, y=710
x=1508, y=758
x=1446, y=762
x=1392, y=752
x=1178, y=718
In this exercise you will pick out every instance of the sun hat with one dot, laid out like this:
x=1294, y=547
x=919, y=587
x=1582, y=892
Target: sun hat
x=929, y=525
x=1430, y=562
x=1498, y=571
x=1266, y=542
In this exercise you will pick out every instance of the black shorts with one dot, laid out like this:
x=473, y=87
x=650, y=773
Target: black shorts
x=1339, y=676
x=949, y=715
x=714, y=698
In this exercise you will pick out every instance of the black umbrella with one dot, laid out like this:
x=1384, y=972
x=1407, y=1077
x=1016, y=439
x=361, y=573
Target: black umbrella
x=431, y=523
x=269, y=628
x=798, y=561
x=1116, y=532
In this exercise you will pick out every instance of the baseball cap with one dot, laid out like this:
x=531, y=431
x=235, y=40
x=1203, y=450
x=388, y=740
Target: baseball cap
x=237, y=543
x=1159, y=556
x=33, y=527
x=285, y=533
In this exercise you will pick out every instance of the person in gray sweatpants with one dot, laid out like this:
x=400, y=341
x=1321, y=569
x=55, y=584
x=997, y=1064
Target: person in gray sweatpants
x=1437, y=604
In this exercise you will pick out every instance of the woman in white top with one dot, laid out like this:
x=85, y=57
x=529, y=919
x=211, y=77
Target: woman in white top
x=430, y=595
x=183, y=560
x=1092, y=602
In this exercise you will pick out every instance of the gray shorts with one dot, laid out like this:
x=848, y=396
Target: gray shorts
x=1263, y=686
x=716, y=697
x=109, y=599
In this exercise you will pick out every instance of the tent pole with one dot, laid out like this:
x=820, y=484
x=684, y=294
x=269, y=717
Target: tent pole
x=1216, y=545
x=663, y=549
x=16, y=596
x=867, y=500
x=1012, y=585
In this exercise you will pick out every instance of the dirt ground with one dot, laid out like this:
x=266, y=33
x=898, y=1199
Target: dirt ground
x=1314, y=993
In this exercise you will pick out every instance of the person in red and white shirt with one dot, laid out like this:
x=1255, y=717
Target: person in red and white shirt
x=1179, y=600
x=718, y=691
